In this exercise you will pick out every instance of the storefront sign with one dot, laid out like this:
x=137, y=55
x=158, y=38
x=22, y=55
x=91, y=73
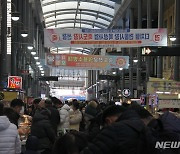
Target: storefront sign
x=104, y=38
x=15, y=82
x=169, y=104
x=89, y=62
x=166, y=89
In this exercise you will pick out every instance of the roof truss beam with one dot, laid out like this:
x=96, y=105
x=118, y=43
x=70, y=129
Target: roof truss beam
x=82, y=22
x=77, y=21
x=89, y=1
x=82, y=10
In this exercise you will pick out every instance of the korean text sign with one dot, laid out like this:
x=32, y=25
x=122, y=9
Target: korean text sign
x=105, y=38
x=90, y=62
x=15, y=82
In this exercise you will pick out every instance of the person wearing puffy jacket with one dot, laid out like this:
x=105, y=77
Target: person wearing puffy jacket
x=64, y=118
x=9, y=137
x=75, y=116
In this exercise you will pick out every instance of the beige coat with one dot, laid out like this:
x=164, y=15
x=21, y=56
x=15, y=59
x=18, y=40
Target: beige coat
x=75, y=119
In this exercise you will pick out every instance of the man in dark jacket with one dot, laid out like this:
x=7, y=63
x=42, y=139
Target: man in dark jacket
x=122, y=136
x=55, y=117
x=16, y=105
x=42, y=129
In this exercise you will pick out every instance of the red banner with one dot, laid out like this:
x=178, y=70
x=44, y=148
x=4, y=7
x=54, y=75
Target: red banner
x=91, y=62
x=15, y=82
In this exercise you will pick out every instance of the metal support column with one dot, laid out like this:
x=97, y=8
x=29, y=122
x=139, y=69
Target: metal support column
x=3, y=52
x=160, y=25
x=131, y=56
x=139, y=57
x=149, y=25
x=177, y=42
x=14, y=44
x=123, y=54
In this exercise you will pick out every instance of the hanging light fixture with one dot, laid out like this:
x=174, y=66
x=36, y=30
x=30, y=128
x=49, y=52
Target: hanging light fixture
x=30, y=47
x=15, y=16
x=135, y=60
x=24, y=33
x=172, y=37
x=38, y=63
x=33, y=53
x=36, y=58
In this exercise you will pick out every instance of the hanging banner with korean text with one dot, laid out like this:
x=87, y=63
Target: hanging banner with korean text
x=169, y=103
x=90, y=62
x=104, y=38
x=15, y=82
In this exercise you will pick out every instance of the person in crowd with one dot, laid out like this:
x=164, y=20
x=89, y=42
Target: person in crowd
x=29, y=110
x=9, y=139
x=64, y=120
x=43, y=130
x=91, y=108
x=102, y=106
x=164, y=128
x=32, y=145
x=16, y=105
x=75, y=116
x=66, y=102
x=125, y=104
x=90, y=112
x=111, y=114
x=54, y=117
x=71, y=143
x=11, y=114
x=82, y=107
x=36, y=102
x=145, y=115
x=121, y=135
x=94, y=127
x=57, y=103
x=166, y=122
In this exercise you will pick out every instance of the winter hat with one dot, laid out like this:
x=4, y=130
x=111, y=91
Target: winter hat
x=112, y=111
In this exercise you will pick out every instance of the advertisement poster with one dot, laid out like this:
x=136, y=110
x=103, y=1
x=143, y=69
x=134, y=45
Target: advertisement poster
x=89, y=62
x=166, y=89
x=104, y=38
x=15, y=82
x=169, y=104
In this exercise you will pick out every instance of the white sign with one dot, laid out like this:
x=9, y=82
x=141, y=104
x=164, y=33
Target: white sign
x=169, y=104
x=126, y=92
x=167, y=145
x=104, y=38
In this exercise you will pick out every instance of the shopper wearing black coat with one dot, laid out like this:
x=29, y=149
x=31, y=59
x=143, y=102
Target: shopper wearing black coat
x=121, y=137
x=43, y=130
x=55, y=117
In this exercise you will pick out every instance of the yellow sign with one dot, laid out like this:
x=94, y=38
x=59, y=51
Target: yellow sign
x=166, y=89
